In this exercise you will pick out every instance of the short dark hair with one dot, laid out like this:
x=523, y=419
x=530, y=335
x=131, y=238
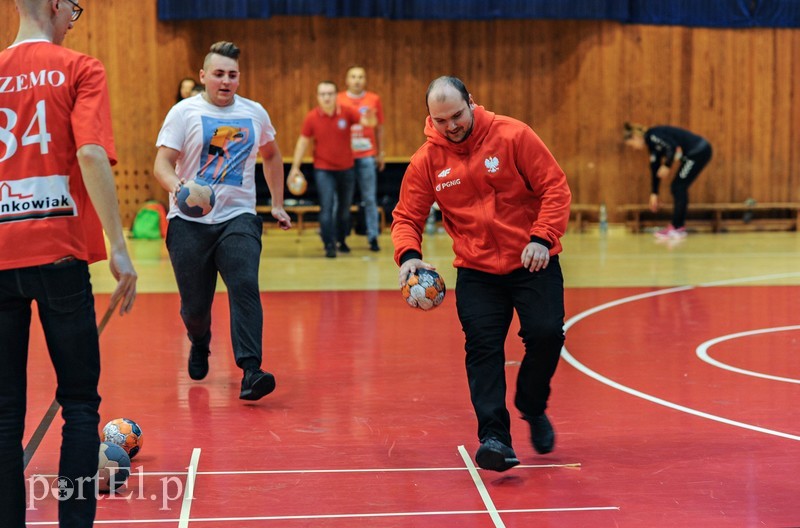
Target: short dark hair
x=455, y=82
x=224, y=48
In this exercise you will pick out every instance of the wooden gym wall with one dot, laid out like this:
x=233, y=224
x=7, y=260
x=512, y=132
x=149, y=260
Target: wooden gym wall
x=575, y=82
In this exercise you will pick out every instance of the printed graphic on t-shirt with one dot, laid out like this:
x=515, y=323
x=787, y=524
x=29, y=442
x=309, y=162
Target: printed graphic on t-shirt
x=35, y=198
x=360, y=143
x=227, y=143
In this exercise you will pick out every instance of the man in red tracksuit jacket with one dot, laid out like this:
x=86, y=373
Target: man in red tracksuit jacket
x=505, y=203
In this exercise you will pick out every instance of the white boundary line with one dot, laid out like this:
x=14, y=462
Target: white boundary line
x=702, y=353
x=569, y=358
x=476, y=478
x=341, y=516
x=571, y=465
x=188, y=494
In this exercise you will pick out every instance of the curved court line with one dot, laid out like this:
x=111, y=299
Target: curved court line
x=702, y=353
x=569, y=358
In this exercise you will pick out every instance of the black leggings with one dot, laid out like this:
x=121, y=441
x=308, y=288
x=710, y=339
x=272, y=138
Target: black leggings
x=691, y=166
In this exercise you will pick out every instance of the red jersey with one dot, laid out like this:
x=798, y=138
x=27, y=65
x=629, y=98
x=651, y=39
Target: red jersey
x=52, y=102
x=363, y=138
x=331, y=134
x=498, y=190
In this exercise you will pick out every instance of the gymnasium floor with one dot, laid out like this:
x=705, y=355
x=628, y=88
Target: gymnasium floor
x=672, y=404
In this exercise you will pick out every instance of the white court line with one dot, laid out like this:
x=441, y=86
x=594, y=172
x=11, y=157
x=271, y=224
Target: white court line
x=371, y=470
x=570, y=465
x=476, y=478
x=188, y=494
x=569, y=358
x=702, y=353
x=342, y=516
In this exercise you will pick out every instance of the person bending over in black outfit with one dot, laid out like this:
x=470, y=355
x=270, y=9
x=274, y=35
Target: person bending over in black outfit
x=667, y=144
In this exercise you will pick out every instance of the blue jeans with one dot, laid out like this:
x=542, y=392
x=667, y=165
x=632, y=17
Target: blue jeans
x=335, y=190
x=233, y=249
x=367, y=176
x=486, y=304
x=63, y=295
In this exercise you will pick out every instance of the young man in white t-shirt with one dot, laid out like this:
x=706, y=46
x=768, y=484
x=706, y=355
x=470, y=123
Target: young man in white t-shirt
x=214, y=137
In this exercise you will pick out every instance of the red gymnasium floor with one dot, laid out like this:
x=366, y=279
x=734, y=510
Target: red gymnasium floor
x=367, y=424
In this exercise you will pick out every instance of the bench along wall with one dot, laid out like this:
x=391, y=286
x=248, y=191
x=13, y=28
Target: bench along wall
x=575, y=82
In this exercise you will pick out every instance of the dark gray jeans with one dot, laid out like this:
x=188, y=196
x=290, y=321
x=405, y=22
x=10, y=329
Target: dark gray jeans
x=233, y=248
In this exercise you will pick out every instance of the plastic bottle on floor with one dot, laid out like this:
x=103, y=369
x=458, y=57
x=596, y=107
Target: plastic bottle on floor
x=603, y=217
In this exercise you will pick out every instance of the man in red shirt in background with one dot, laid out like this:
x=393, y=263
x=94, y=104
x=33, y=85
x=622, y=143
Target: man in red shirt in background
x=505, y=203
x=57, y=195
x=328, y=126
x=367, y=145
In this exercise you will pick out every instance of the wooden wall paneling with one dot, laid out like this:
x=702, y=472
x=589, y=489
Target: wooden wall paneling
x=699, y=103
x=781, y=124
x=647, y=67
x=711, y=66
x=762, y=78
x=8, y=30
x=741, y=167
x=550, y=104
x=792, y=50
x=597, y=116
x=574, y=82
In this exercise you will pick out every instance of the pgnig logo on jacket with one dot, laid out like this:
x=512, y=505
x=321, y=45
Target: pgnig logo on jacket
x=492, y=164
x=445, y=185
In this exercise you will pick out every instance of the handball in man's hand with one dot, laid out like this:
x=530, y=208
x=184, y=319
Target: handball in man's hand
x=296, y=183
x=425, y=289
x=196, y=198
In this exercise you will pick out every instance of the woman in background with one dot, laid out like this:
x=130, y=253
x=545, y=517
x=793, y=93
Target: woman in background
x=185, y=88
x=666, y=145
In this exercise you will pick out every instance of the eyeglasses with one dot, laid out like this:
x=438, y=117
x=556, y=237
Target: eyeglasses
x=76, y=10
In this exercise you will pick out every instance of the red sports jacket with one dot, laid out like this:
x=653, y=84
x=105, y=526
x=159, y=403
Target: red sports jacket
x=498, y=191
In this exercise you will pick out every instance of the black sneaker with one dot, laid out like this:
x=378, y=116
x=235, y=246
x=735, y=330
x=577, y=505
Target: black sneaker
x=495, y=455
x=198, y=362
x=542, y=434
x=256, y=384
x=344, y=248
x=373, y=244
x=330, y=251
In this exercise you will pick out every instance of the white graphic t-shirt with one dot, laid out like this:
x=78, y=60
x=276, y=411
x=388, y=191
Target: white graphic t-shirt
x=218, y=145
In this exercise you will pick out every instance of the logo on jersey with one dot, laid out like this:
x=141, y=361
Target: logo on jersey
x=35, y=199
x=492, y=164
x=444, y=174
x=446, y=184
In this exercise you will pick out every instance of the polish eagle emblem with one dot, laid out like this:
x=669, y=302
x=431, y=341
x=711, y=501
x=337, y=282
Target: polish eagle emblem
x=492, y=164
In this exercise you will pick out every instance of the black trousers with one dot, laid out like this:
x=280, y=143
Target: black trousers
x=199, y=252
x=63, y=295
x=486, y=304
x=691, y=166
